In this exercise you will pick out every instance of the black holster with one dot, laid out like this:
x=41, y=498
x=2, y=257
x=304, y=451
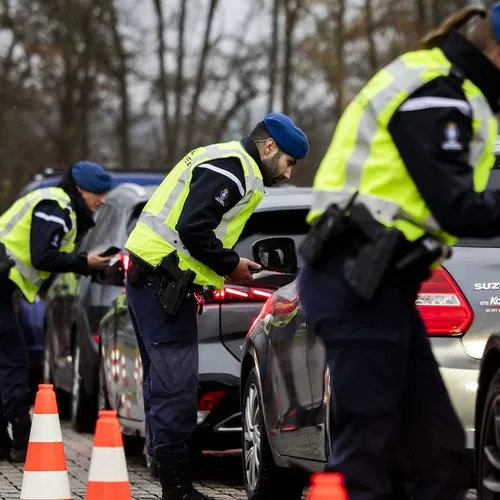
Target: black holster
x=6, y=263
x=175, y=285
x=372, y=253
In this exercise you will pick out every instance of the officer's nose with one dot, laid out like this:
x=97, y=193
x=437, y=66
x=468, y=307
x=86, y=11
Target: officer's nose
x=288, y=173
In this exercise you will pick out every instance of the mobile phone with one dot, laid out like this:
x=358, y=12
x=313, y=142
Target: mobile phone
x=110, y=251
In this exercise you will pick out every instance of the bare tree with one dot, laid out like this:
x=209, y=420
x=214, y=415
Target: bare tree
x=162, y=77
x=273, y=54
x=120, y=71
x=176, y=128
x=190, y=131
x=292, y=11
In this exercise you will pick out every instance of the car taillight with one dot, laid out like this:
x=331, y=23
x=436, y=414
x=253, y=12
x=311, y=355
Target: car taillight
x=238, y=294
x=442, y=306
x=125, y=261
x=207, y=403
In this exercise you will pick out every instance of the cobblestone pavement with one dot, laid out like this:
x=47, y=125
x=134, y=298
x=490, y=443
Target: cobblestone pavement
x=221, y=477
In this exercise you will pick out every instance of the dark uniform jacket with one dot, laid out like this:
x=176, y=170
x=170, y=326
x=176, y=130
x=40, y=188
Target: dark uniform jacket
x=49, y=225
x=204, y=208
x=443, y=175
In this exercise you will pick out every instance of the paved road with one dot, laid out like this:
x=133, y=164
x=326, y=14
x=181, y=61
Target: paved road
x=221, y=477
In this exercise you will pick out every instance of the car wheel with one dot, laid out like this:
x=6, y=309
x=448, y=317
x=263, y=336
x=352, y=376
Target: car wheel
x=488, y=469
x=133, y=445
x=103, y=398
x=63, y=400
x=83, y=406
x=263, y=479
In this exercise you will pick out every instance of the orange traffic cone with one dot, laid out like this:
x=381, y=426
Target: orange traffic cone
x=327, y=486
x=108, y=474
x=45, y=472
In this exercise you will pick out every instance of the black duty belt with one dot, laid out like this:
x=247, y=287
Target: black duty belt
x=139, y=270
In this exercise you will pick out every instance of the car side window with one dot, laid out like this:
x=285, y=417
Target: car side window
x=134, y=217
x=291, y=223
x=102, y=231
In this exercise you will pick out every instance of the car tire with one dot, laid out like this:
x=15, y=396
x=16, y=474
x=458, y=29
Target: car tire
x=83, y=406
x=133, y=445
x=63, y=398
x=488, y=456
x=263, y=479
x=195, y=459
x=103, y=397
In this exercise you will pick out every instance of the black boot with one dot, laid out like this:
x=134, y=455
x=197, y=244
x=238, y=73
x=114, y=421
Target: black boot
x=176, y=482
x=5, y=443
x=21, y=434
x=152, y=466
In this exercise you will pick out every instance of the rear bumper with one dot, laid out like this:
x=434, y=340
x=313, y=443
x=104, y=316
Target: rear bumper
x=460, y=374
x=221, y=428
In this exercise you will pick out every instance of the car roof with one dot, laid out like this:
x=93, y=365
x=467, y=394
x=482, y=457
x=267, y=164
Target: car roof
x=139, y=177
x=284, y=198
x=129, y=193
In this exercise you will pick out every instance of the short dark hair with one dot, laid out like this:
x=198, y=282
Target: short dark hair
x=259, y=133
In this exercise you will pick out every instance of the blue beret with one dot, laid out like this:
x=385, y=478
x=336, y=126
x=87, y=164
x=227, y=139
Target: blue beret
x=287, y=136
x=495, y=20
x=91, y=177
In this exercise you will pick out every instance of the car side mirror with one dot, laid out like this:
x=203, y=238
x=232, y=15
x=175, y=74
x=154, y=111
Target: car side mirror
x=276, y=254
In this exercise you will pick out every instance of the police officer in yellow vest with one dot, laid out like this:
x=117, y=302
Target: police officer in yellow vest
x=196, y=216
x=416, y=147
x=37, y=237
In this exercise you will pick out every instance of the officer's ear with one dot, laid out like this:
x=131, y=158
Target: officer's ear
x=270, y=147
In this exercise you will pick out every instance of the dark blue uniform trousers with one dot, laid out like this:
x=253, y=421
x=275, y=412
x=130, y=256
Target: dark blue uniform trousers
x=169, y=352
x=15, y=398
x=389, y=404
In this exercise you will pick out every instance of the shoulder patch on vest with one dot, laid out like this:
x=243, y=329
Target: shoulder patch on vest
x=222, y=196
x=451, y=137
x=56, y=241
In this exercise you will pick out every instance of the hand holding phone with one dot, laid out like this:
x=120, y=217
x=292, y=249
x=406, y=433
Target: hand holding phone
x=110, y=252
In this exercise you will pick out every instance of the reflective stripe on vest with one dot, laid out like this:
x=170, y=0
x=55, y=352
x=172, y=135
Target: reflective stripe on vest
x=159, y=218
x=389, y=88
x=156, y=222
x=28, y=279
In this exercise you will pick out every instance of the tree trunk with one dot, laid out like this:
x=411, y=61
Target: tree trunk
x=370, y=33
x=291, y=14
x=179, y=86
x=273, y=55
x=190, y=131
x=339, y=58
x=120, y=73
x=162, y=79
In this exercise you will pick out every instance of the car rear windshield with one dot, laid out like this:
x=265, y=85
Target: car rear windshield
x=493, y=183
x=268, y=223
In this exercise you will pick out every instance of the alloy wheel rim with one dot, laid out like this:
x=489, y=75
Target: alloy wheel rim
x=491, y=454
x=46, y=364
x=76, y=382
x=252, y=437
x=101, y=396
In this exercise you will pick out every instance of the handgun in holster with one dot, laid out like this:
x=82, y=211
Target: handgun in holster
x=6, y=263
x=328, y=232
x=374, y=260
x=175, y=284
x=417, y=262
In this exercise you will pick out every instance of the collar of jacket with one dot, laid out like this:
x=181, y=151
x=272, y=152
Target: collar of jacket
x=84, y=217
x=252, y=150
x=475, y=65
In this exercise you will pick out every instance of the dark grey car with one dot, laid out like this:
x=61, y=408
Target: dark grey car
x=285, y=381
x=222, y=327
x=75, y=305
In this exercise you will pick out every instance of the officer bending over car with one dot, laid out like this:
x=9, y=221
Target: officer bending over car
x=183, y=242
x=37, y=238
